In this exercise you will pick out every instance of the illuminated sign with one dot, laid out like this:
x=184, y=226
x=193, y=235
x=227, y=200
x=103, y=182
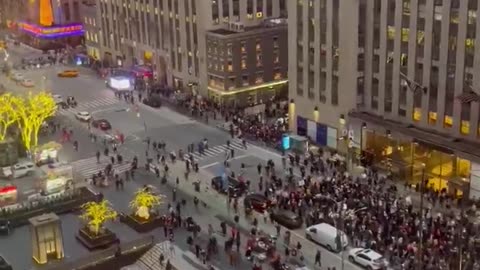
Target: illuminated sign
x=120, y=83
x=52, y=31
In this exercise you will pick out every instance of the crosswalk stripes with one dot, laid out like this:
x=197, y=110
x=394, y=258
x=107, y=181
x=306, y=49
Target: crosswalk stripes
x=89, y=166
x=90, y=105
x=219, y=150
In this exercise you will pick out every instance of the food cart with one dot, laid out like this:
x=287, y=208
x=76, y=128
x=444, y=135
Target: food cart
x=47, y=153
x=8, y=195
x=56, y=177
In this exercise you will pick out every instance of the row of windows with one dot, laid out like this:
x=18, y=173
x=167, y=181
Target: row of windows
x=131, y=24
x=447, y=121
x=255, y=9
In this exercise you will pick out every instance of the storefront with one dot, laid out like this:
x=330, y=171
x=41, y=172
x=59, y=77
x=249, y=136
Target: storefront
x=317, y=133
x=412, y=155
x=247, y=96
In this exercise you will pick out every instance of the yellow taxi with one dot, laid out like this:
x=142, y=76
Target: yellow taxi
x=3, y=44
x=68, y=74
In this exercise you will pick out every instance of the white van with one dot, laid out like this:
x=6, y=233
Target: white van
x=326, y=235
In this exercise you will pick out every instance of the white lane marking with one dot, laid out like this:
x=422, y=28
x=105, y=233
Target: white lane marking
x=218, y=162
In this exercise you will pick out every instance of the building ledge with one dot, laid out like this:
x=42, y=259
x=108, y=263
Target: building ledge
x=448, y=143
x=222, y=92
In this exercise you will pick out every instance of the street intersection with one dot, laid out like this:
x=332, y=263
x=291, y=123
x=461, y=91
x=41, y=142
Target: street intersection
x=163, y=124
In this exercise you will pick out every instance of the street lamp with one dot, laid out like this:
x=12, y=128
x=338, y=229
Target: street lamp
x=364, y=126
x=316, y=114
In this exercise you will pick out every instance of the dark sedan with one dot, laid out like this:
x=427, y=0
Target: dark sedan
x=257, y=202
x=235, y=188
x=287, y=218
x=102, y=124
x=152, y=102
x=5, y=227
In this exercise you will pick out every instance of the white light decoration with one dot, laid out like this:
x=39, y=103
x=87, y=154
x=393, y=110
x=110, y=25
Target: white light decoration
x=120, y=83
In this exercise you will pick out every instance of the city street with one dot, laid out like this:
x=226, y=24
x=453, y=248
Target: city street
x=163, y=124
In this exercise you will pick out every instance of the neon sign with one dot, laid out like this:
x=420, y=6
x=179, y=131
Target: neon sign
x=52, y=31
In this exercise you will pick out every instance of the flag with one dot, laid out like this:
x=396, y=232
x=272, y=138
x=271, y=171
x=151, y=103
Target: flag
x=468, y=96
x=413, y=86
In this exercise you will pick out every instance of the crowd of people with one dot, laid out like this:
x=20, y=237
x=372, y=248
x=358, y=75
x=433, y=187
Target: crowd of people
x=370, y=210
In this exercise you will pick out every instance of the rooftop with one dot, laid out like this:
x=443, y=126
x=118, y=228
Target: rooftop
x=265, y=24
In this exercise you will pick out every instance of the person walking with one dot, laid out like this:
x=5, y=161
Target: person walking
x=318, y=259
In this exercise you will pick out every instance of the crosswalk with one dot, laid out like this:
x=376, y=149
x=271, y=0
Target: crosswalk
x=219, y=150
x=89, y=106
x=89, y=166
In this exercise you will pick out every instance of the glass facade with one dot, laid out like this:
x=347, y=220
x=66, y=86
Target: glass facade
x=441, y=169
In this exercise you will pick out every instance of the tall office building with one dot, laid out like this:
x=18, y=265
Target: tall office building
x=407, y=93
x=171, y=34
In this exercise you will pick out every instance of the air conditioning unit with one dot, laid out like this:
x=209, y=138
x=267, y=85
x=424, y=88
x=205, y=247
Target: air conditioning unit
x=236, y=27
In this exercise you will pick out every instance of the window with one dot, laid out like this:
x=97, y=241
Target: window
x=259, y=78
x=244, y=63
x=259, y=60
x=245, y=80
x=259, y=11
x=269, y=8
x=215, y=17
x=277, y=76
x=230, y=66
x=250, y=9
x=243, y=48
x=258, y=45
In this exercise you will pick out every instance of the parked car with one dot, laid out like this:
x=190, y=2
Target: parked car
x=257, y=202
x=83, y=116
x=27, y=83
x=19, y=170
x=68, y=74
x=326, y=235
x=287, y=218
x=62, y=105
x=102, y=124
x=235, y=188
x=17, y=76
x=367, y=258
x=152, y=102
x=5, y=227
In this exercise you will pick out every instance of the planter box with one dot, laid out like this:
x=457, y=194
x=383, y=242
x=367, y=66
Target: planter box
x=61, y=206
x=140, y=225
x=91, y=242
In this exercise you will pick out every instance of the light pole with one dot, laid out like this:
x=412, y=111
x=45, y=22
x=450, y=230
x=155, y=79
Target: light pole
x=339, y=235
x=422, y=187
x=43, y=83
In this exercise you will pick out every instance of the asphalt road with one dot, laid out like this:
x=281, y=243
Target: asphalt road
x=159, y=124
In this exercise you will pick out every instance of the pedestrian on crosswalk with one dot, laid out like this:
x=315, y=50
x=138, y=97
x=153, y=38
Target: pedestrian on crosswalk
x=97, y=154
x=112, y=160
